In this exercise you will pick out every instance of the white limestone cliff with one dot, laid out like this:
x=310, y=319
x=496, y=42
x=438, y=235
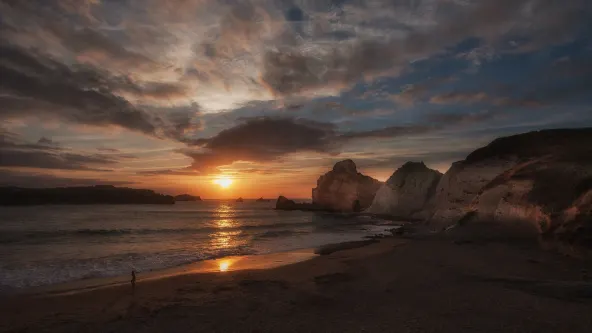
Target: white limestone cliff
x=537, y=183
x=344, y=188
x=461, y=184
x=406, y=194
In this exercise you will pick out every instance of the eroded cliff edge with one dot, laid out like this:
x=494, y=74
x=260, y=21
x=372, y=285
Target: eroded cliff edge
x=535, y=182
x=407, y=193
x=345, y=189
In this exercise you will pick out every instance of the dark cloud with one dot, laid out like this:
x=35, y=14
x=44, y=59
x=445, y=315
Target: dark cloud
x=289, y=70
x=460, y=98
x=574, y=74
x=108, y=150
x=48, y=156
x=444, y=119
x=263, y=139
x=35, y=85
x=153, y=90
x=413, y=93
x=171, y=172
x=48, y=143
x=12, y=140
x=41, y=180
x=68, y=26
x=60, y=59
x=45, y=141
x=430, y=123
x=410, y=94
x=179, y=122
x=94, y=47
x=469, y=97
x=388, y=132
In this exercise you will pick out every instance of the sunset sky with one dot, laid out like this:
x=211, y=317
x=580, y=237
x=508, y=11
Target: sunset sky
x=172, y=95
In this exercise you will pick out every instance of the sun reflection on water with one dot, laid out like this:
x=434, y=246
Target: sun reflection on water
x=225, y=215
x=227, y=237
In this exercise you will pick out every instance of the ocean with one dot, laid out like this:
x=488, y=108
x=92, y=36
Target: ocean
x=47, y=245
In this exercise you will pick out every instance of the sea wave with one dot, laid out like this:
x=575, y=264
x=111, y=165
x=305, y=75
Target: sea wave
x=280, y=233
x=7, y=237
x=58, y=271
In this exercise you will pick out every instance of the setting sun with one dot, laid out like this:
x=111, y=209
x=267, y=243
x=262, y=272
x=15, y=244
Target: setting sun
x=224, y=265
x=224, y=182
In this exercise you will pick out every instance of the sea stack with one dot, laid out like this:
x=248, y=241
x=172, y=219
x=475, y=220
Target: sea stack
x=407, y=193
x=187, y=197
x=344, y=188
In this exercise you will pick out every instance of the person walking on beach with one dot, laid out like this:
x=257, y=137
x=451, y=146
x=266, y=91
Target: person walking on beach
x=133, y=281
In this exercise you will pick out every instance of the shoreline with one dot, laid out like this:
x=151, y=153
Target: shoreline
x=393, y=284
x=238, y=262
x=222, y=264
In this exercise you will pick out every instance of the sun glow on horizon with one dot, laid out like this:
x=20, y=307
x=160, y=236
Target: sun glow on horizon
x=223, y=181
x=224, y=265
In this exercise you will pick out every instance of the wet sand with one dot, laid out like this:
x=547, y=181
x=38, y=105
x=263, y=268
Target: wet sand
x=226, y=264
x=427, y=284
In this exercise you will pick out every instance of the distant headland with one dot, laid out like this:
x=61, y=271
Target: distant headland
x=99, y=194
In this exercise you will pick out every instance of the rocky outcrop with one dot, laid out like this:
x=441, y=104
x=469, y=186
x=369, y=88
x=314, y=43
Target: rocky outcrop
x=459, y=186
x=407, y=193
x=535, y=182
x=547, y=195
x=284, y=203
x=187, y=197
x=345, y=189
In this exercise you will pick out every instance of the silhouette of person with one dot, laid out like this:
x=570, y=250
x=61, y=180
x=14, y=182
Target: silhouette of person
x=133, y=281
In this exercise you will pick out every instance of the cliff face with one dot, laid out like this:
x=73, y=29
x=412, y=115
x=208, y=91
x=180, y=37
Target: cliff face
x=548, y=195
x=460, y=185
x=407, y=193
x=536, y=182
x=340, y=188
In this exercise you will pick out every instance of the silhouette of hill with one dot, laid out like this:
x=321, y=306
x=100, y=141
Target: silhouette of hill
x=99, y=194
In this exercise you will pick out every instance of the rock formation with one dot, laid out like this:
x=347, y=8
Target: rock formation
x=187, y=197
x=340, y=188
x=536, y=182
x=407, y=193
x=284, y=203
x=460, y=185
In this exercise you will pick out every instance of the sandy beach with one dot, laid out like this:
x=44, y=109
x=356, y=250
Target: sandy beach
x=428, y=284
